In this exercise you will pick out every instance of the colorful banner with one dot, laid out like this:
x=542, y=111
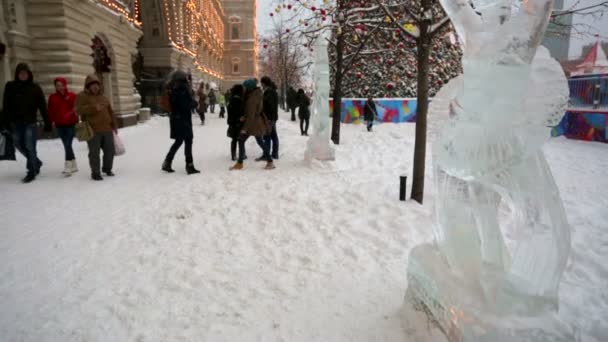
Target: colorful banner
x=389, y=110
x=585, y=125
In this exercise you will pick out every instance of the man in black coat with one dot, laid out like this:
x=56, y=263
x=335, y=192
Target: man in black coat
x=22, y=100
x=271, y=110
x=292, y=102
x=370, y=113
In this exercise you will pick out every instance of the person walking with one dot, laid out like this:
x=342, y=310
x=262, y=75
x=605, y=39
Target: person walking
x=212, y=100
x=202, y=102
x=271, y=111
x=222, y=103
x=63, y=116
x=304, y=111
x=182, y=102
x=254, y=123
x=370, y=113
x=235, y=113
x=96, y=110
x=22, y=100
x=292, y=102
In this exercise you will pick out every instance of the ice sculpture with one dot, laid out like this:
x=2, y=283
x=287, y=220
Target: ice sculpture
x=318, y=145
x=491, y=177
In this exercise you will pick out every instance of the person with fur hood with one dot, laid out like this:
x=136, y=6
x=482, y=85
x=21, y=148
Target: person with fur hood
x=62, y=114
x=23, y=99
x=95, y=109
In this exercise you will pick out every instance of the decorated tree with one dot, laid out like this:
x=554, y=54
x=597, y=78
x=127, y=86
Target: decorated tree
x=339, y=22
x=394, y=72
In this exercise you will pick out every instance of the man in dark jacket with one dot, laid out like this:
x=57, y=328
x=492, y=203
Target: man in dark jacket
x=292, y=102
x=271, y=111
x=22, y=100
x=370, y=113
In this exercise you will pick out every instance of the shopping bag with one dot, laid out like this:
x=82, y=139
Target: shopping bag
x=119, y=147
x=84, y=132
x=7, y=147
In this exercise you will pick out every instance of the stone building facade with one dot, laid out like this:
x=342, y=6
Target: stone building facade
x=74, y=38
x=241, y=44
x=185, y=35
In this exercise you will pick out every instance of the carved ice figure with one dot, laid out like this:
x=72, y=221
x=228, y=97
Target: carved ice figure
x=318, y=145
x=490, y=172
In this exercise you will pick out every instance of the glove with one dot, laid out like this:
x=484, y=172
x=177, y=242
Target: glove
x=48, y=127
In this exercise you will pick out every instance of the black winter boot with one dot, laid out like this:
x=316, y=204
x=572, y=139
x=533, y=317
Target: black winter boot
x=191, y=170
x=96, y=177
x=29, y=178
x=167, y=167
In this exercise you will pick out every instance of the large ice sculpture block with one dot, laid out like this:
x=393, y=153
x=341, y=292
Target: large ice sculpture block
x=502, y=238
x=318, y=145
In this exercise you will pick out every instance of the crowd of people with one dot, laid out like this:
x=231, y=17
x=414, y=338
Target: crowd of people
x=252, y=109
x=88, y=114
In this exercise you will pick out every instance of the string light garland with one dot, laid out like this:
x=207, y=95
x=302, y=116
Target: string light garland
x=196, y=29
x=131, y=15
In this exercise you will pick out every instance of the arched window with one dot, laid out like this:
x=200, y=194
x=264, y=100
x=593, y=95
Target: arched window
x=236, y=65
x=235, y=27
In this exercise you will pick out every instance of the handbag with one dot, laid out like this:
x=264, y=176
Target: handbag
x=119, y=147
x=7, y=147
x=165, y=103
x=84, y=132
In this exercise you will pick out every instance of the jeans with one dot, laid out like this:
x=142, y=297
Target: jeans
x=263, y=143
x=242, y=141
x=187, y=150
x=370, y=124
x=101, y=141
x=266, y=156
x=234, y=143
x=212, y=108
x=67, y=133
x=24, y=138
x=272, y=140
x=304, y=128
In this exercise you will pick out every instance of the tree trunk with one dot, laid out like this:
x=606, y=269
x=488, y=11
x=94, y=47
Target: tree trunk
x=424, y=45
x=337, y=95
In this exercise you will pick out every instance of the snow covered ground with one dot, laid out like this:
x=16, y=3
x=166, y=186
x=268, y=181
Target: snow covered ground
x=294, y=254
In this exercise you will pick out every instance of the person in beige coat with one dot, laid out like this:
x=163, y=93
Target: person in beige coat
x=254, y=122
x=95, y=109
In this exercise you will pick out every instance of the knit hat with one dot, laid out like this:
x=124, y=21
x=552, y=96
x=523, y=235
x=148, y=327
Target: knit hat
x=251, y=83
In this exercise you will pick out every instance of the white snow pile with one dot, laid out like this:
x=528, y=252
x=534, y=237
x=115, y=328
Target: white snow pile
x=294, y=254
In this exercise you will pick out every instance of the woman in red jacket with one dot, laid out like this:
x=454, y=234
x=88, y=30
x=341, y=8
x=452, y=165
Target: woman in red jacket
x=62, y=114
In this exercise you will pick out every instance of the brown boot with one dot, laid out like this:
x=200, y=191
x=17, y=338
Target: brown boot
x=269, y=166
x=236, y=167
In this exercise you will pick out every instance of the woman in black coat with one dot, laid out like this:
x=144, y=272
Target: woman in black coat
x=235, y=113
x=304, y=111
x=182, y=102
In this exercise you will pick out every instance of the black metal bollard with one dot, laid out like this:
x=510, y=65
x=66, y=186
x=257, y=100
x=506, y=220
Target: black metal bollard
x=402, y=187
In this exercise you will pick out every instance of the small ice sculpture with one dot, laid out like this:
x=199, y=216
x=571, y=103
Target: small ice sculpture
x=502, y=238
x=318, y=145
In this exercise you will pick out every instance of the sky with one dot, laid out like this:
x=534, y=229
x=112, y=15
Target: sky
x=264, y=20
x=600, y=25
x=576, y=43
